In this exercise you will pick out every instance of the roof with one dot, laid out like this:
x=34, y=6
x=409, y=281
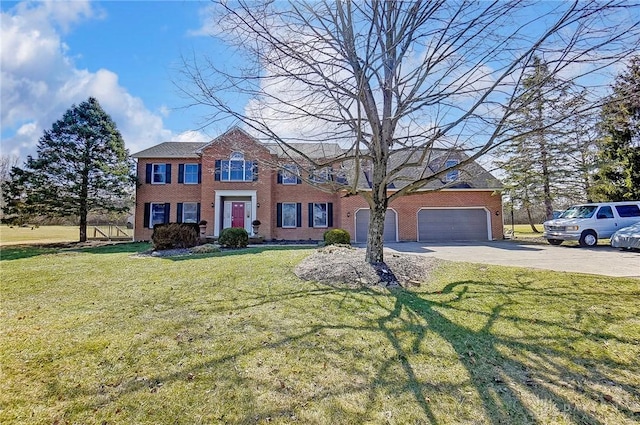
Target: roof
x=171, y=150
x=311, y=150
x=470, y=176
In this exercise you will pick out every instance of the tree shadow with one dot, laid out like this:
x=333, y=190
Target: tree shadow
x=505, y=372
x=496, y=367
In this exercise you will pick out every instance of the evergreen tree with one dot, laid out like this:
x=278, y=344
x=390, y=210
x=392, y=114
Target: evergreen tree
x=535, y=160
x=619, y=157
x=81, y=166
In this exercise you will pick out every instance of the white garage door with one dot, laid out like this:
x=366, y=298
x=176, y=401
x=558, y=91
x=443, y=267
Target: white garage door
x=450, y=224
x=390, y=226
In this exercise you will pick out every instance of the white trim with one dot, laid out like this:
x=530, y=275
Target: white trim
x=184, y=172
x=295, y=207
x=479, y=207
x=153, y=172
x=313, y=217
x=219, y=194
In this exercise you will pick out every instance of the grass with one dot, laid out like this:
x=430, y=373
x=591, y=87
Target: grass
x=14, y=235
x=100, y=336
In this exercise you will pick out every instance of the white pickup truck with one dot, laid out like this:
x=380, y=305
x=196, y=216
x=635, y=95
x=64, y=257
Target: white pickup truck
x=587, y=223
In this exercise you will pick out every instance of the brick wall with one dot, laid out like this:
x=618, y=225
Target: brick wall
x=269, y=193
x=407, y=208
x=172, y=193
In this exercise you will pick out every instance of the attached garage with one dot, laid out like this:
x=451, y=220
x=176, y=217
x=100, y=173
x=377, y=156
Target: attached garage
x=453, y=224
x=390, y=226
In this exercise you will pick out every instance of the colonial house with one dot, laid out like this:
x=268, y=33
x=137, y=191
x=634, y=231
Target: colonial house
x=230, y=182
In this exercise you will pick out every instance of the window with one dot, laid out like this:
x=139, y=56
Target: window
x=191, y=174
x=290, y=175
x=158, y=173
x=158, y=215
x=190, y=212
x=320, y=216
x=453, y=174
x=235, y=169
x=582, y=211
x=628, y=210
x=605, y=212
x=289, y=214
x=320, y=176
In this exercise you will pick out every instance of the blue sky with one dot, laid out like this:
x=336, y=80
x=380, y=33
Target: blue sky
x=124, y=53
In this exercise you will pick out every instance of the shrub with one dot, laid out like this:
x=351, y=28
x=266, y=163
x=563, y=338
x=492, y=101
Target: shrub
x=337, y=237
x=234, y=237
x=175, y=235
x=205, y=249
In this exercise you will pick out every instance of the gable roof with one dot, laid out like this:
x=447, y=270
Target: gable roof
x=172, y=150
x=471, y=176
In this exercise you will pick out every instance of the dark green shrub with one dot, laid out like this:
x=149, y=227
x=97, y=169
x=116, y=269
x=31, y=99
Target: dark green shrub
x=337, y=237
x=175, y=236
x=234, y=237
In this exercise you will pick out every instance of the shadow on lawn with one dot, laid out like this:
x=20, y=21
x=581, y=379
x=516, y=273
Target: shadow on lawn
x=226, y=252
x=508, y=374
x=505, y=383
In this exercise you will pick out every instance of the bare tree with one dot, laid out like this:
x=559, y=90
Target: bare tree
x=392, y=80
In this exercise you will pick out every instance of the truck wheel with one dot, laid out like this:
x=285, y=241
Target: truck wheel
x=554, y=241
x=588, y=238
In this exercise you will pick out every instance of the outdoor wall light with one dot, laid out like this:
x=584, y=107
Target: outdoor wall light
x=348, y=213
x=257, y=204
x=497, y=212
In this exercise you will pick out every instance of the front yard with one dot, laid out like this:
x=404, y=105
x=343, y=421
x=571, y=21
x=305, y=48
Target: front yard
x=101, y=336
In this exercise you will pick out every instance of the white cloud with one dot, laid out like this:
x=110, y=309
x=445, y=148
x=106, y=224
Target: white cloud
x=39, y=80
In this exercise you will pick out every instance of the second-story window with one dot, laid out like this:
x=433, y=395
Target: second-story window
x=289, y=175
x=158, y=173
x=320, y=176
x=191, y=172
x=235, y=169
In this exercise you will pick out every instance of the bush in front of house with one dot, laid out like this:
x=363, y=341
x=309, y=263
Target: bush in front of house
x=337, y=237
x=234, y=237
x=207, y=248
x=175, y=236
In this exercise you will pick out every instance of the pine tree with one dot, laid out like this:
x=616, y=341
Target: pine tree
x=81, y=166
x=535, y=163
x=619, y=157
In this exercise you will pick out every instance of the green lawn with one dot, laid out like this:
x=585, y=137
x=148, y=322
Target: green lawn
x=100, y=336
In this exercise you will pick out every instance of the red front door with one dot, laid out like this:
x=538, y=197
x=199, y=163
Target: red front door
x=237, y=214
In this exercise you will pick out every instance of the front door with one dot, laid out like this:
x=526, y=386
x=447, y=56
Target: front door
x=237, y=214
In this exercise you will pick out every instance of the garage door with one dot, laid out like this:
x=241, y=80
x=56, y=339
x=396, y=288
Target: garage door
x=449, y=224
x=362, y=226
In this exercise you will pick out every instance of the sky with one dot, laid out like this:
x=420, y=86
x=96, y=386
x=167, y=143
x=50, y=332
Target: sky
x=127, y=54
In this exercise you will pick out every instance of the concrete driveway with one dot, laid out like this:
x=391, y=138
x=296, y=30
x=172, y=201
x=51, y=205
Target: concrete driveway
x=601, y=260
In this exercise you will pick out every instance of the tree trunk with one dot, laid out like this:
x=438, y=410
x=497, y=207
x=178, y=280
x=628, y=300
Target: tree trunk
x=530, y=218
x=84, y=194
x=378, y=205
x=83, y=228
x=375, y=245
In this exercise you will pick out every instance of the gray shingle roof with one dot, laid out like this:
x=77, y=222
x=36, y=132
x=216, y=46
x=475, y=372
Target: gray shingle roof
x=312, y=150
x=472, y=176
x=171, y=150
